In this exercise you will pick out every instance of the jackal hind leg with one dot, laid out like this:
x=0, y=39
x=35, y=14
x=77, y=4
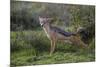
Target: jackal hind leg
x=77, y=40
x=82, y=44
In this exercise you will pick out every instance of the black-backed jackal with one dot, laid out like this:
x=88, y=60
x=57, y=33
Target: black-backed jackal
x=55, y=34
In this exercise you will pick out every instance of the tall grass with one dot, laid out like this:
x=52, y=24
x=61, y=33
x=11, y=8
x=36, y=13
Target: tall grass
x=28, y=39
x=32, y=48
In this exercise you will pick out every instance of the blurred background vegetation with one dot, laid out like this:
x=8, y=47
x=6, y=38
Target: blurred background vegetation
x=29, y=44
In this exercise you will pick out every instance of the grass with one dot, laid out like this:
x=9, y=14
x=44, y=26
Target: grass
x=32, y=48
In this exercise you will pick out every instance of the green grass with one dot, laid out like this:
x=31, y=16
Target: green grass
x=32, y=48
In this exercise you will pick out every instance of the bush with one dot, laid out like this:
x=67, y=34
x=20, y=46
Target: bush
x=27, y=40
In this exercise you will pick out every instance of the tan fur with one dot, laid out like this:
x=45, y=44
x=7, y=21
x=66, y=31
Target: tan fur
x=54, y=36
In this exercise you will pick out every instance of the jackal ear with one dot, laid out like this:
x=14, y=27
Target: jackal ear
x=49, y=19
x=40, y=18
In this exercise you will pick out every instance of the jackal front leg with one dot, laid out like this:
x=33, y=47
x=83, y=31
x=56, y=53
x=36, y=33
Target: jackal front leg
x=52, y=47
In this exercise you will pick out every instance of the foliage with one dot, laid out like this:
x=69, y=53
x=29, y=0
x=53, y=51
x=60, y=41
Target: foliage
x=24, y=15
x=27, y=40
x=83, y=16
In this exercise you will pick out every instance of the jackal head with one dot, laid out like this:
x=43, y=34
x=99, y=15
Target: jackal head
x=44, y=20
